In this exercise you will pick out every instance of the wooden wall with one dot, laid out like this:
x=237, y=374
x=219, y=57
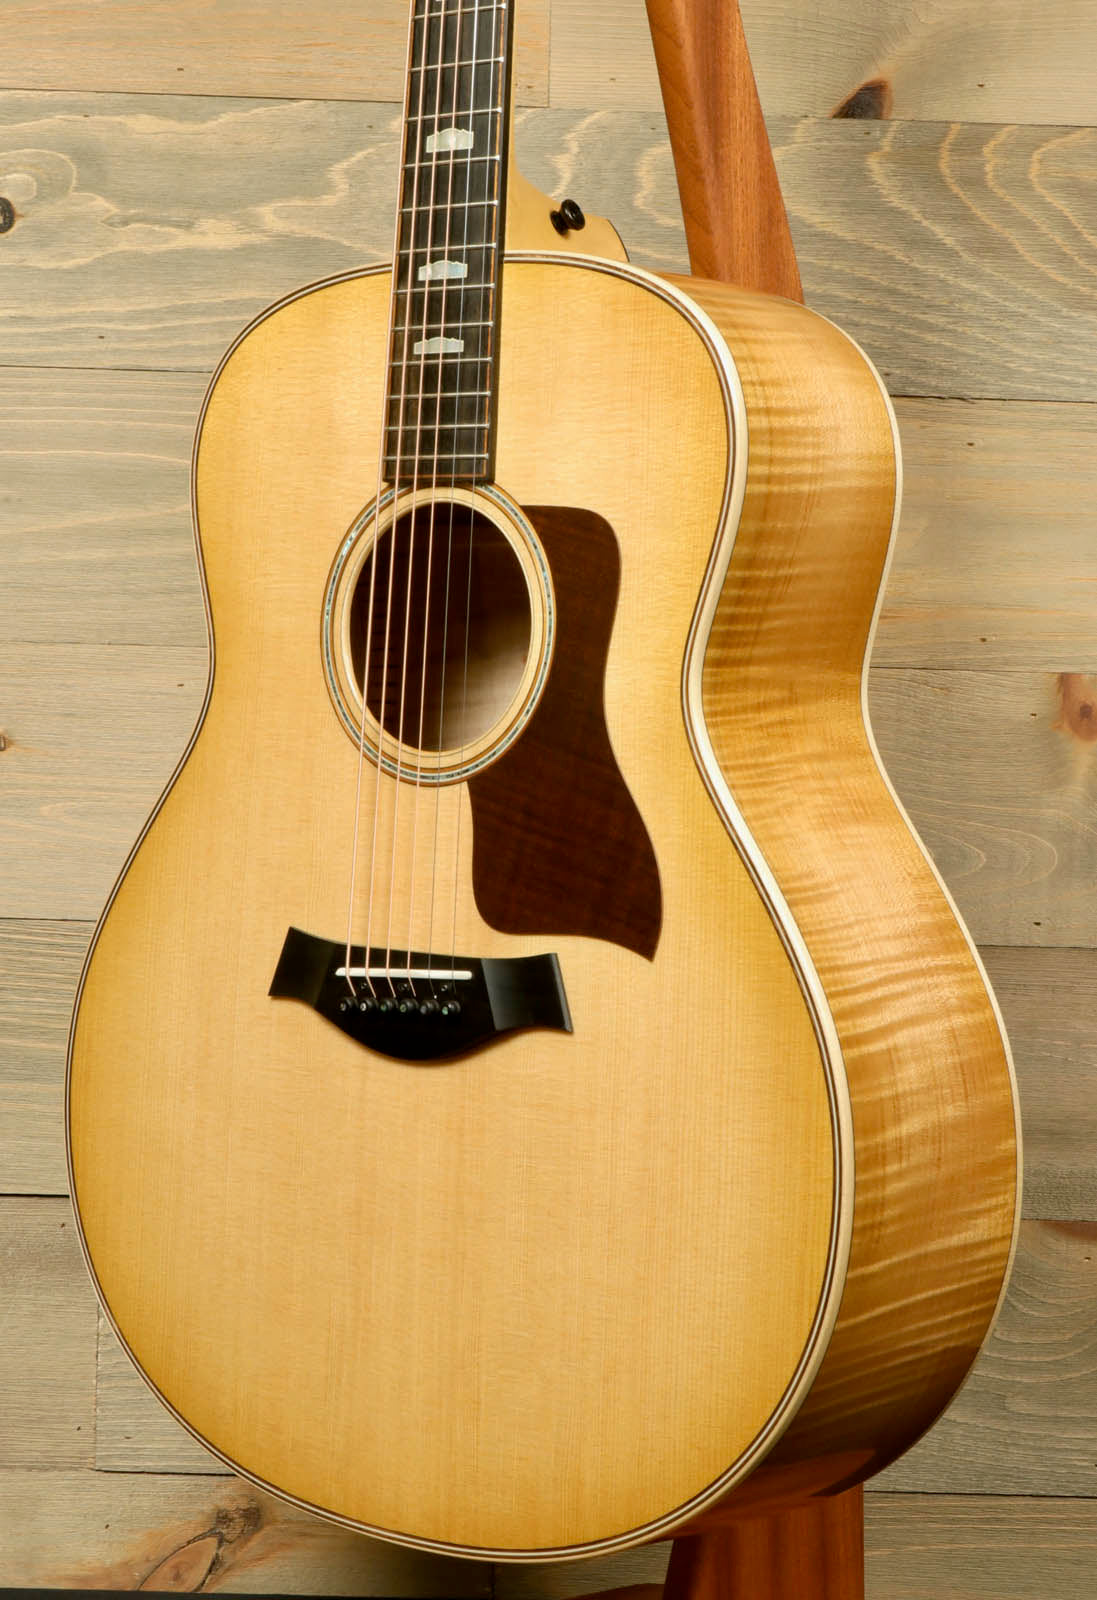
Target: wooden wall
x=172, y=167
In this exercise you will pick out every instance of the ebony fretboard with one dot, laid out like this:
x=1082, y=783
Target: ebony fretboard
x=442, y=368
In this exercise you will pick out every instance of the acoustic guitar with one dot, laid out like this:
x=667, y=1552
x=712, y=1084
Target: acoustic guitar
x=529, y=1086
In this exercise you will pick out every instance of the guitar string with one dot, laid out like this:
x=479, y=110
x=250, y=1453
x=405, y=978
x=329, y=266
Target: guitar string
x=455, y=399
x=458, y=398
x=390, y=359
x=499, y=38
x=399, y=368
x=423, y=183
x=398, y=371
x=421, y=453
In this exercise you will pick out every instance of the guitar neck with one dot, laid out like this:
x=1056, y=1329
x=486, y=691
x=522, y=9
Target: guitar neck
x=449, y=240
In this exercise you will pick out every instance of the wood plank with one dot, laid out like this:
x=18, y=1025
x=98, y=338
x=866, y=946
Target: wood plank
x=337, y=50
x=988, y=570
x=1039, y=990
x=92, y=736
x=105, y=1530
x=940, y=60
x=47, y=1339
x=993, y=564
x=956, y=255
x=39, y=967
x=1028, y=1414
x=950, y=1547
x=1044, y=996
x=1002, y=789
x=152, y=228
x=97, y=480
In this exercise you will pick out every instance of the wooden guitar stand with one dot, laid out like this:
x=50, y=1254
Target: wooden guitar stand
x=811, y=1551
x=737, y=231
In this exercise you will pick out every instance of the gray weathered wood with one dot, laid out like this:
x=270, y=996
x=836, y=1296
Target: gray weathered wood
x=39, y=967
x=996, y=562
x=1003, y=790
x=334, y=49
x=152, y=228
x=1046, y=998
x=47, y=1339
x=126, y=1531
x=97, y=541
x=1028, y=1415
x=92, y=736
x=941, y=59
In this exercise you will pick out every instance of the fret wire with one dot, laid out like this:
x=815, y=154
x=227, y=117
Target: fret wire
x=460, y=157
x=430, y=16
x=440, y=327
x=448, y=428
x=426, y=210
x=483, y=111
x=460, y=64
x=463, y=394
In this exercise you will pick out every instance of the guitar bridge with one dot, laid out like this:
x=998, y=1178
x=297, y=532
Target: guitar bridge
x=414, y=1006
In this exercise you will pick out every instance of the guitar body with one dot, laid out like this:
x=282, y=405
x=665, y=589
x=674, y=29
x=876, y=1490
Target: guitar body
x=736, y=1218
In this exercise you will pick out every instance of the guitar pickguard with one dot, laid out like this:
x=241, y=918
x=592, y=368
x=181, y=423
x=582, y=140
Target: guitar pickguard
x=559, y=844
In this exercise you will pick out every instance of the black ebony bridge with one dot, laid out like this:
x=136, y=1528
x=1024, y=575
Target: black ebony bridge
x=414, y=1006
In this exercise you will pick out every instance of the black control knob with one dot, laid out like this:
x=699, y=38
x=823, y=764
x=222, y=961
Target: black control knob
x=569, y=218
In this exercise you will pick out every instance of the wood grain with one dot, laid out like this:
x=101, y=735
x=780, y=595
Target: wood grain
x=994, y=566
x=39, y=967
x=338, y=50
x=47, y=1348
x=119, y=1531
x=78, y=783
x=1044, y=995
x=811, y=1551
x=929, y=1072
x=134, y=1432
x=736, y=225
x=98, y=545
x=943, y=59
x=957, y=256
x=1002, y=792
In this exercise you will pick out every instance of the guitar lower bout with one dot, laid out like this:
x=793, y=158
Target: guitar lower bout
x=608, y=1269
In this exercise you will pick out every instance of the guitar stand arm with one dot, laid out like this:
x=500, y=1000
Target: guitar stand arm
x=811, y=1551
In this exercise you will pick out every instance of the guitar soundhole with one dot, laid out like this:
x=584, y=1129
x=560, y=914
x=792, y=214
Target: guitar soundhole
x=451, y=631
